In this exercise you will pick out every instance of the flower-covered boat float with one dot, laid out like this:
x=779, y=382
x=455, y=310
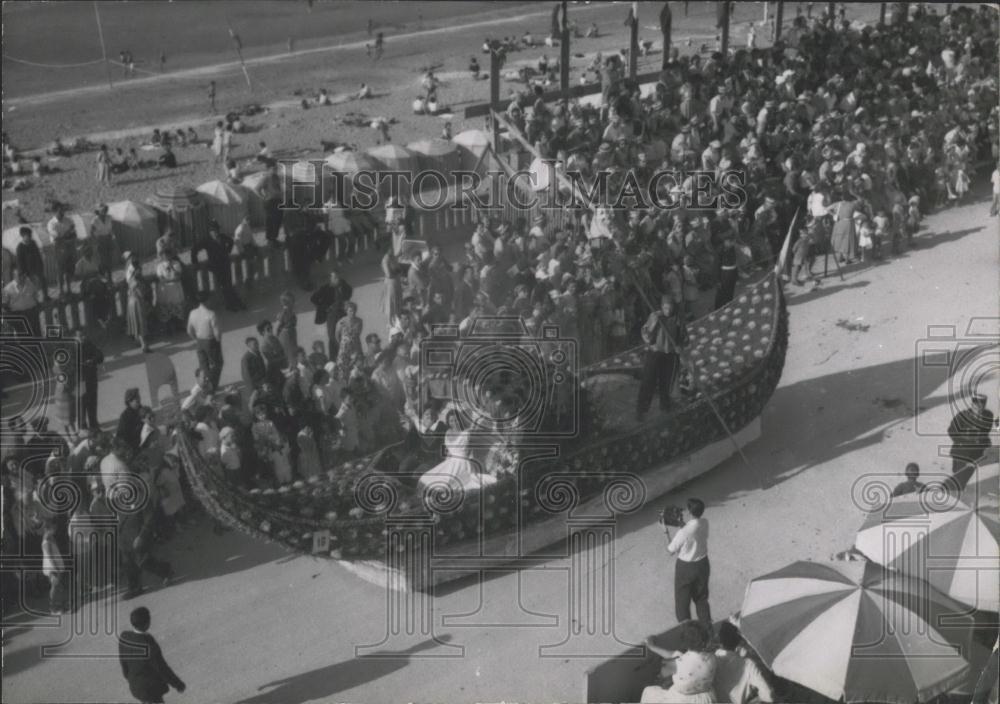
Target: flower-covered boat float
x=580, y=448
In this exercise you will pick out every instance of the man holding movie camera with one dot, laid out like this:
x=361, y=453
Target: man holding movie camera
x=690, y=545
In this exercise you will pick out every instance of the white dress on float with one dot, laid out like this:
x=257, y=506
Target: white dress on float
x=457, y=469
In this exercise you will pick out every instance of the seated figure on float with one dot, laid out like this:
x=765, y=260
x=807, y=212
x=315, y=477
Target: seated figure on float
x=457, y=469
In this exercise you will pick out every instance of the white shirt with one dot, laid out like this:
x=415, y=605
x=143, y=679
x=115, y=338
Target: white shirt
x=209, y=439
x=101, y=228
x=59, y=228
x=691, y=541
x=244, y=234
x=817, y=204
x=20, y=296
x=196, y=397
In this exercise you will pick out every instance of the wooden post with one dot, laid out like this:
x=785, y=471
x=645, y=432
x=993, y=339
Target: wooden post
x=779, y=17
x=881, y=14
x=666, y=22
x=564, y=54
x=903, y=14
x=633, y=42
x=495, y=92
x=724, y=47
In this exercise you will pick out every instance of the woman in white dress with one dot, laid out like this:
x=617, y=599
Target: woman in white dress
x=457, y=469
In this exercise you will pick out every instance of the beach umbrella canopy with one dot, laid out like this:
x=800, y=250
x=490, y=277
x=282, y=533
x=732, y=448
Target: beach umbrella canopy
x=439, y=154
x=12, y=235
x=394, y=157
x=350, y=162
x=475, y=141
x=227, y=203
x=223, y=192
x=936, y=535
x=983, y=488
x=135, y=226
x=856, y=631
x=471, y=145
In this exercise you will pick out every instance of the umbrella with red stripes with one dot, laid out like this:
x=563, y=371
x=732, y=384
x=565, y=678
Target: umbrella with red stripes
x=856, y=631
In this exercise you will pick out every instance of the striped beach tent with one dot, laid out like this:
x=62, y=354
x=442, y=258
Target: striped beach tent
x=857, y=632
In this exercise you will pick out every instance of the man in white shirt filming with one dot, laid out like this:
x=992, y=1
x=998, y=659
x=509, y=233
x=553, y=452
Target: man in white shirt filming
x=690, y=545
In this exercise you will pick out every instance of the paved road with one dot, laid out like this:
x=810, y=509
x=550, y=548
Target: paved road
x=248, y=622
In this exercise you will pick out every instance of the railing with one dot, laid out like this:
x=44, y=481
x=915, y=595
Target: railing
x=272, y=267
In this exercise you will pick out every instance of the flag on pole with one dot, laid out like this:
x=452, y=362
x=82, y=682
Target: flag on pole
x=783, y=257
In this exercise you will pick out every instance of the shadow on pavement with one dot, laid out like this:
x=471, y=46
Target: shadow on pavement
x=327, y=681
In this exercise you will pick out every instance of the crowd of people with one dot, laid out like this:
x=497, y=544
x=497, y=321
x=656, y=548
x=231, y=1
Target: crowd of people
x=123, y=478
x=856, y=130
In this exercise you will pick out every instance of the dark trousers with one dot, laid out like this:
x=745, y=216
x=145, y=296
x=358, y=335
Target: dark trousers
x=88, y=418
x=133, y=564
x=691, y=584
x=210, y=359
x=272, y=219
x=224, y=279
x=727, y=287
x=657, y=374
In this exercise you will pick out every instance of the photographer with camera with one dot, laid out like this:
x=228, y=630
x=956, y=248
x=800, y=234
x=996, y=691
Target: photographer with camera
x=690, y=545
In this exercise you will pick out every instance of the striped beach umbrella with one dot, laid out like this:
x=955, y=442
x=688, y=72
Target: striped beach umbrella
x=936, y=535
x=856, y=632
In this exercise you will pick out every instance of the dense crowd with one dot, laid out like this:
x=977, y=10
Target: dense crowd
x=857, y=130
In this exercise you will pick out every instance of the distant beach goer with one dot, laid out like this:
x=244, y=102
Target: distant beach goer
x=103, y=166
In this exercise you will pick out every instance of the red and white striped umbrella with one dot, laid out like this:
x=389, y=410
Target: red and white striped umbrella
x=856, y=631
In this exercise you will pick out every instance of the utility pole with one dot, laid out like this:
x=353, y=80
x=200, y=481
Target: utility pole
x=779, y=13
x=881, y=14
x=832, y=10
x=564, y=53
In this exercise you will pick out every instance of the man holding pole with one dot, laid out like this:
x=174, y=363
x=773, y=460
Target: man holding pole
x=665, y=335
